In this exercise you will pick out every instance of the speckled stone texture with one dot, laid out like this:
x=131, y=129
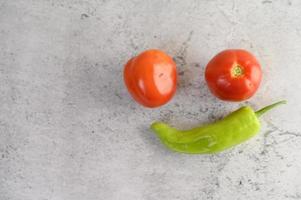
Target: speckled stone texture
x=70, y=131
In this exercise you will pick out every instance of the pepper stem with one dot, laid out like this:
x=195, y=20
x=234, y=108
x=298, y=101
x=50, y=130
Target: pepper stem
x=269, y=107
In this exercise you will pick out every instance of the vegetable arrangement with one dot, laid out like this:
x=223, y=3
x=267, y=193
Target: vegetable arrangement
x=231, y=75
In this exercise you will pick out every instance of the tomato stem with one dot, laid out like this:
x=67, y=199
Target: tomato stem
x=237, y=70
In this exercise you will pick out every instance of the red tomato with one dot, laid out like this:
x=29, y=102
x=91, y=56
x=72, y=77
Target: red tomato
x=233, y=75
x=151, y=78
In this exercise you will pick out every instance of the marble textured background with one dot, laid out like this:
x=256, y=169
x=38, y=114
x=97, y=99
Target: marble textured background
x=70, y=131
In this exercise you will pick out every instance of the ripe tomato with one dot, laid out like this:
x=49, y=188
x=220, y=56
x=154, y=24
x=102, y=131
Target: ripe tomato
x=233, y=75
x=151, y=78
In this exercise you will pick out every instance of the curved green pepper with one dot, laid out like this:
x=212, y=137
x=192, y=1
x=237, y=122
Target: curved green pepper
x=234, y=129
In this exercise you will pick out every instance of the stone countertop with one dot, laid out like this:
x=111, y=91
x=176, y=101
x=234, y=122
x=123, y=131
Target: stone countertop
x=70, y=131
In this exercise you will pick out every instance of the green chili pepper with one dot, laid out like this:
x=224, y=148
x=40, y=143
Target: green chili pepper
x=234, y=129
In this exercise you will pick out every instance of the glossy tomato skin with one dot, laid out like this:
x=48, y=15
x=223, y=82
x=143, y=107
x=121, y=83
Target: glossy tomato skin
x=151, y=78
x=233, y=75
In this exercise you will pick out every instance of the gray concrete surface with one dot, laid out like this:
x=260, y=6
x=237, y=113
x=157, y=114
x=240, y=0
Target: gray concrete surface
x=70, y=131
